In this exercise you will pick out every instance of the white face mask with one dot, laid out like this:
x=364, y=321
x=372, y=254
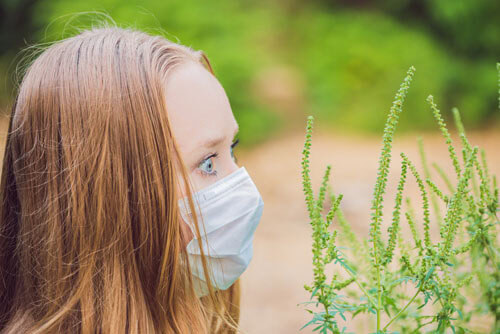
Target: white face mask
x=231, y=209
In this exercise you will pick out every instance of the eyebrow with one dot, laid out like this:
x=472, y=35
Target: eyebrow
x=216, y=141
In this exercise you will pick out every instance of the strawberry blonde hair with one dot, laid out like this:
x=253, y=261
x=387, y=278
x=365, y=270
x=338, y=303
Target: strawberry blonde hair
x=90, y=235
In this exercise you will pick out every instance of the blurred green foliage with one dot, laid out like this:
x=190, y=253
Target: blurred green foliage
x=223, y=29
x=469, y=26
x=352, y=58
x=347, y=56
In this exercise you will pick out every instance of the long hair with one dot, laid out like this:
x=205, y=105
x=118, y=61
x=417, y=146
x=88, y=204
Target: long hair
x=90, y=236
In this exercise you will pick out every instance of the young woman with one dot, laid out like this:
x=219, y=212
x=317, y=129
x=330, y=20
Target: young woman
x=116, y=137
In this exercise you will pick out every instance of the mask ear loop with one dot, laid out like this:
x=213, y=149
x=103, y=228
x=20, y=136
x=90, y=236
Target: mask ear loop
x=193, y=205
x=197, y=234
x=200, y=238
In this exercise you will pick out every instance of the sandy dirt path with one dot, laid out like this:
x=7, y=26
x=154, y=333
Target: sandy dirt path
x=273, y=284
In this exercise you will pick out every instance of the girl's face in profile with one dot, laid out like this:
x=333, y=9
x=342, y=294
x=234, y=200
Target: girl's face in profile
x=203, y=125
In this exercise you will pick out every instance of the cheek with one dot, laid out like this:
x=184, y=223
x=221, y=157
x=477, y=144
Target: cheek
x=187, y=234
x=200, y=182
x=195, y=179
x=181, y=188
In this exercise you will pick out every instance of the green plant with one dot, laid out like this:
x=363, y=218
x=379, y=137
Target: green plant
x=436, y=272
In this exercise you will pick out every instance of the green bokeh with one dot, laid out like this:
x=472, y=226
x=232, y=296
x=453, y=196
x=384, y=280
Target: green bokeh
x=355, y=61
x=349, y=60
x=224, y=30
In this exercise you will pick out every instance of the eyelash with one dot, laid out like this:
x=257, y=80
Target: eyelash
x=215, y=155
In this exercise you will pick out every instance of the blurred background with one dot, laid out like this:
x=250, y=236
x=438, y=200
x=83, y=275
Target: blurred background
x=281, y=60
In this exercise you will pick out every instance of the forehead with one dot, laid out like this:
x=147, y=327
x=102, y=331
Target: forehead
x=197, y=106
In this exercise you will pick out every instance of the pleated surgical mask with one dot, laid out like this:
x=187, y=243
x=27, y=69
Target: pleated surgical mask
x=231, y=209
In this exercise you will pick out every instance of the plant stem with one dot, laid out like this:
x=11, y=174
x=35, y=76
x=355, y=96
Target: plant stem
x=379, y=300
x=492, y=254
x=424, y=324
x=370, y=299
x=404, y=308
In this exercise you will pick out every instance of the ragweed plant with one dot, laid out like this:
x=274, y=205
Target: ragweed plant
x=374, y=276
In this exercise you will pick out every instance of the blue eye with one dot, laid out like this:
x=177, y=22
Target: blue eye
x=207, y=166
